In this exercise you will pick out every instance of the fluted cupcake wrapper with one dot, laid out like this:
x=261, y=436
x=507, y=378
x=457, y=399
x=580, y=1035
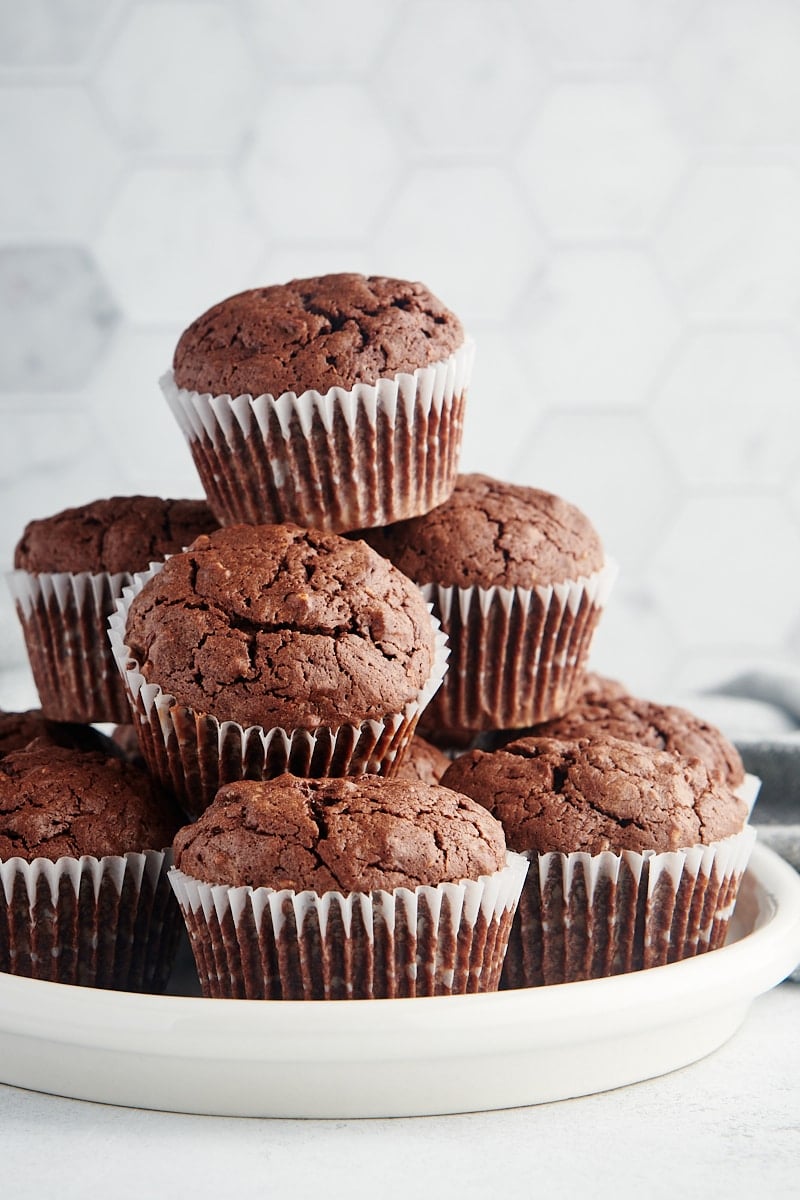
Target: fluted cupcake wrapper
x=109, y=922
x=263, y=944
x=342, y=460
x=194, y=754
x=585, y=916
x=64, y=618
x=517, y=655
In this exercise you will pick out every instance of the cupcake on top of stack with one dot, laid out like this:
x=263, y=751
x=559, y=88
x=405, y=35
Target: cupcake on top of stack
x=518, y=579
x=635, y=854
x=334, y=402
x=267, y=648
x=70, y=569
x=84, y=897
x=361, y=888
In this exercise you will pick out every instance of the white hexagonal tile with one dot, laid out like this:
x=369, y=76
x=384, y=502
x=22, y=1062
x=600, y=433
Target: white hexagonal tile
x=499, y=412
x=58, y=317
x=48, y=33
x=735, y=73
x=175, y=242
x=726, y=574
x=595, y=330
x=600, y=461
x=281, y=262
x=732, y=242
x=586, y=33
x=315, y=36
x=177, y=80
x=632, y=642
x=58, y=163
x=601, y=160
x=333, y=192
x=128, y=383
x=460, y=76
x=727, y=410
x=467, y=233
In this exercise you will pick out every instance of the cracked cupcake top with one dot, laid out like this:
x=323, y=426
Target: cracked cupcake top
x=660, y=726
x=488, y=534
x=123, y=533
x=275, y=625
x=597, y=794
x=329, y=331
x=422, y=761
x=17, y=729
x=346, y=835
x=55, y=802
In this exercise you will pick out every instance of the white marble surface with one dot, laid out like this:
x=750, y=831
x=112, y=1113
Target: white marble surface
x=725, y=1126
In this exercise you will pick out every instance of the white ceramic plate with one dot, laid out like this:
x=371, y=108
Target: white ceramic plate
x=401, y=1057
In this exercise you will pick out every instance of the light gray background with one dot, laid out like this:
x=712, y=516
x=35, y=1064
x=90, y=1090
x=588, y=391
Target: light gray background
x=607, y=193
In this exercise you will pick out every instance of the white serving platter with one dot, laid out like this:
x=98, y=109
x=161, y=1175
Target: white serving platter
x=380, y=1058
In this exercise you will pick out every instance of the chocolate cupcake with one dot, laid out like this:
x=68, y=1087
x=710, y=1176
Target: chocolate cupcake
x=70, y=570
x=84, y=897
x=18, y=729
x=423, y=762
x=269, y=648
x=635, y=854
x=303, y=889
x=335, y=402
x=518, y=579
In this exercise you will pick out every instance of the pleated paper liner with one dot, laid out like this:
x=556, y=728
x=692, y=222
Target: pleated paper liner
x=194, y=754
x=109, y=922
x=585, y=916
x=263, y=944
x=342, y=460
x=517, y=655
x=64, y=619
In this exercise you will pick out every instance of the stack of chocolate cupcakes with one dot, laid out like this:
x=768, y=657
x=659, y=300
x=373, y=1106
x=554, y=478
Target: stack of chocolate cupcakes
x=276, y=669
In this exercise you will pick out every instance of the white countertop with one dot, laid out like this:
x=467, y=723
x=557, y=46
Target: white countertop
x=728, y=1125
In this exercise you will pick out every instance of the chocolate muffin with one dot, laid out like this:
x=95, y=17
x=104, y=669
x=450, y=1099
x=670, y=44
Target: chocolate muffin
x=70, y=570
x=636, y=854
x=275, y=648
x=518, y=579
x=84, y=896
x=335, y=402
x=646, y=723
x=17, y=729
x=356, y=888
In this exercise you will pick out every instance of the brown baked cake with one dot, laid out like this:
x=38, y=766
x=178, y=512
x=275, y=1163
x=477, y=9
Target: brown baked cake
x=518, y=578
x=422, y=761
x=636, y=854
x=70, y=570
x=106, y=920
x=321, y=652
x=335, y=402
x=357, y=888
x=17, y=729
x=659, y=726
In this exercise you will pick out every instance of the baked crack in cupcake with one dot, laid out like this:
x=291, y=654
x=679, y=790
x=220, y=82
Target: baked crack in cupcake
x=345, y=889
x=635, y=854
x=334, y=402
x=269, y=648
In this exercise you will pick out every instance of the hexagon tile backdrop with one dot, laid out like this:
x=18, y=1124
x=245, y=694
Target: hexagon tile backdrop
x=606, y=193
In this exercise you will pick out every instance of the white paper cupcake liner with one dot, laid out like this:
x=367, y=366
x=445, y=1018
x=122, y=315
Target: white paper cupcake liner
x=517, y=655
x=109, y=922
x=748, y=790
x=64, y=619
x=194, y=754
x=262, y=944
x=337, y=461
x=584, y=916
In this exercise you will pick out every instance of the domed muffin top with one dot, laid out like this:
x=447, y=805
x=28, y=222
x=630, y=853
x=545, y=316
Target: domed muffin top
x=327, y=331
x=489, y=533
x=276, y=625
x=349, y=835
x=597, y=794
x=123, y=533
